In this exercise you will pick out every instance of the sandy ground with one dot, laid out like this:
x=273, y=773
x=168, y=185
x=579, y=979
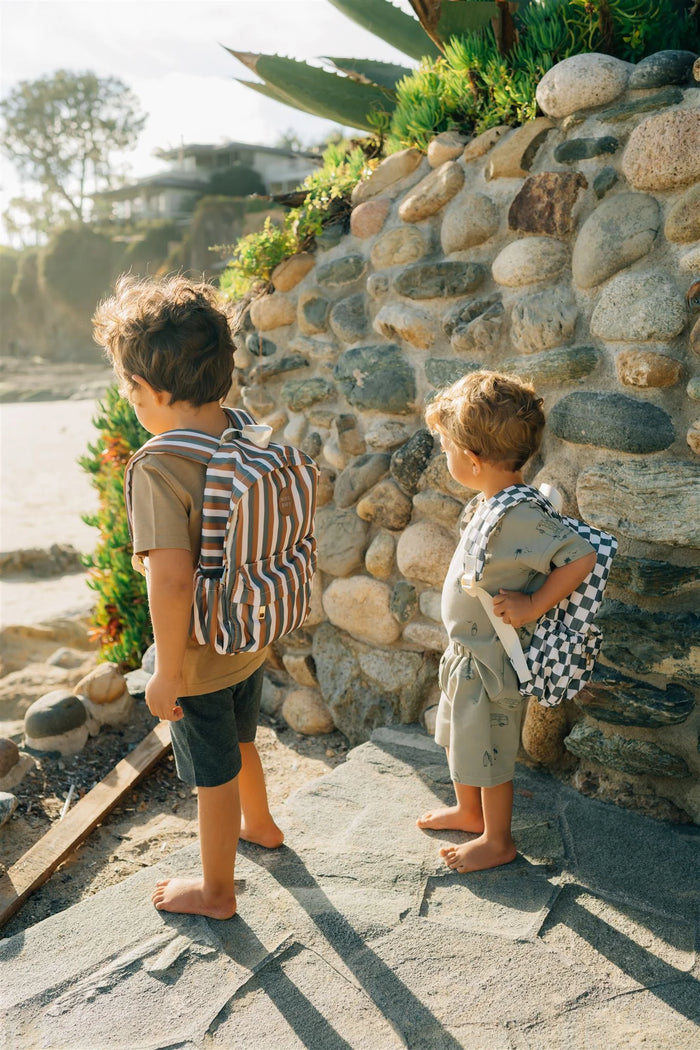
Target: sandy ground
x=44, y=494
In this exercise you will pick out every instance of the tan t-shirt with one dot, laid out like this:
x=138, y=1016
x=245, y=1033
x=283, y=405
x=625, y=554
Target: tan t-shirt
x=167, y=493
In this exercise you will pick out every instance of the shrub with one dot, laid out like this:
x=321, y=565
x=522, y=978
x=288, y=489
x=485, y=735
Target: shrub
x=236, y=181
x=9, y=265
x=146, y=254
x=79, y=264
x=25, y=285
x=120, y=621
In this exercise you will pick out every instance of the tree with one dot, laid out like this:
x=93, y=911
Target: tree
x=62, y=131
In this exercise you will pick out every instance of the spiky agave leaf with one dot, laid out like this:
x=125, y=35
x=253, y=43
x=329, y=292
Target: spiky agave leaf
x=327, y=95
x=371, y=71
x=391, y=24
x=274, y=94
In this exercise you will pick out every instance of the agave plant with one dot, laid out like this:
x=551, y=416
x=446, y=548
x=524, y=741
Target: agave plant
x=361, y=93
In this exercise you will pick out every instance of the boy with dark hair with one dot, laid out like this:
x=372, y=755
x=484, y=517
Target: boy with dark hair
x=171, y=348
x=489, y=426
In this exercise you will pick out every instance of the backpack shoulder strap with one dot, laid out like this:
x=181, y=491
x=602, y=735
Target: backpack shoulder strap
x=490, y=513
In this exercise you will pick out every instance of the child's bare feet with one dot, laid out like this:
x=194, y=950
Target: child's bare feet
x=478, y=855
x=267, y=834
x=452, y=817
x=189, y=897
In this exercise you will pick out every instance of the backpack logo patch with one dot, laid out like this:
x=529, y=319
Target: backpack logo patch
x=285, y=502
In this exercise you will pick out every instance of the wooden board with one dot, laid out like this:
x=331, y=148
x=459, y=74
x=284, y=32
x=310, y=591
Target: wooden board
x=35, y=867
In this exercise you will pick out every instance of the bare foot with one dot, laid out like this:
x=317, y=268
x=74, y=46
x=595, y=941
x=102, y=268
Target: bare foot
x=452, y=817
x=189, y=896
x=267, y=835
x=478, y=855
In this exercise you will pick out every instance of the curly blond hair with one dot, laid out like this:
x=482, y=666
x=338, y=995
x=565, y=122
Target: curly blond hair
x=497, y=417
x=174, y=333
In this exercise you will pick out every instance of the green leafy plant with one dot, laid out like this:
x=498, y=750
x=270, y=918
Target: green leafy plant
x=120, y=621
x=78, y=265
x=326, y=199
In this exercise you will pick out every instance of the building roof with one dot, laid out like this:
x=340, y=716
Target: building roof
x=166, y=181
x=199, y=149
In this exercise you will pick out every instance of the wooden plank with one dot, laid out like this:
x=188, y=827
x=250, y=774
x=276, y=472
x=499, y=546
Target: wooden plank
x=35, y=867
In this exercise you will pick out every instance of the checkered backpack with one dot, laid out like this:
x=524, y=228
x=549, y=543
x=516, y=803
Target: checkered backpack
x=258, y=551
x=566, y=642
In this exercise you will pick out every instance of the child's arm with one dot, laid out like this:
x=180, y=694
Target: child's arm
x=517, y=608
x=170, y=582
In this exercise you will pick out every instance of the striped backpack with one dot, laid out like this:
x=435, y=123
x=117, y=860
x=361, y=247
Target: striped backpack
x=258, y=552
x=566, y=641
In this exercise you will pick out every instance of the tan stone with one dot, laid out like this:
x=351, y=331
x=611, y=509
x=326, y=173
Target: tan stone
x=103, y=684
x=581, y=82
x=361, y=606
x=258, y=400
x=443, y=509
x=305, y=712
x=693, y=436
x=663, y=152
x=446, y=146
x=9, y=755
x=316, y=614
x=301, y=667
x=272, y=311
x=683, y=219
x=426, y=635
x=395, y=167
x=437, y=476
x=424, y=552
x=529, y=260
x=399, y=247
x=379, y=559
x=689, y=262
x=408, y=322
x=469, y=219
x=695, y=337
x=544, y=729
x=483, y=143
x=644, y=368
x=512, y=157
x=432, y=193
x=368, y=218
x=287, y=274
x=386, y=505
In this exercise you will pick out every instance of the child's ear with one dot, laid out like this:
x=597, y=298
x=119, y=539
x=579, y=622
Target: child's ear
x=474, y=460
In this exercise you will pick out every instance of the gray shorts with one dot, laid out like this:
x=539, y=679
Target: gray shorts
x=206, y=741
x=478, y=718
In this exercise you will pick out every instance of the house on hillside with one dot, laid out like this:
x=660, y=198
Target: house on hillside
x=173, y=193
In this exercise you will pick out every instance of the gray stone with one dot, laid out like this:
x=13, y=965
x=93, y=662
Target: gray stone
x=386, y=505
x=615, y=698
x=8, y=805
x=399, y=320
x=482, y=335
x=277, y=366
x=298, y=394
x=365, y=688
x=610, y=420
x=409, y=461
x=620, y=231
x=379, y=559
x=604, y=181
x=444, y=371
x=664, y=67
x=443, y=509
x=651, y=643
x=683, y=218
x=378, y=285
x=341, y=539
x=427, y=636
x=316, y=350
x=624, y=497
x=464, y=312
x=469, y=219
x=639, y=306
x=424, y=552
x=312, y=313
x=628, y=756
x=377, y=377
x=349, y=320
x=546, y=203
x=651, y=578
x=431, y=605
x=349, y=437
x=359, y=476
x=387, y=434
x=432, y=193
x=581, y=82
x=439, y=280
x=57, y=721
x=663, y=152
x=583, y=149
x=259, y=345
x=339, y=272
x=543, y=320
x=554, y=366
x=399, y=247
x=625, y=110
x=529, y=260
x=404, y=601
x=331, y=234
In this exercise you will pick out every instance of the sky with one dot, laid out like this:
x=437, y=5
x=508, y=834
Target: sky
x=170, y=53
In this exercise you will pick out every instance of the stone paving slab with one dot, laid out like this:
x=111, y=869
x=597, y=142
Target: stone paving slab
x=355, y=935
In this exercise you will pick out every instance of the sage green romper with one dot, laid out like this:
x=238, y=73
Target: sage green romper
x=480, y=708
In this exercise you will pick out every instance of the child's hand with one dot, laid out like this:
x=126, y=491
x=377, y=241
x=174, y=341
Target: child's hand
x=161, y=697
x=514, y=608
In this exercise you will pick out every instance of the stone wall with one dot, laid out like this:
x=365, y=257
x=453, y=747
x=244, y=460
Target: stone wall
x=565, y=251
